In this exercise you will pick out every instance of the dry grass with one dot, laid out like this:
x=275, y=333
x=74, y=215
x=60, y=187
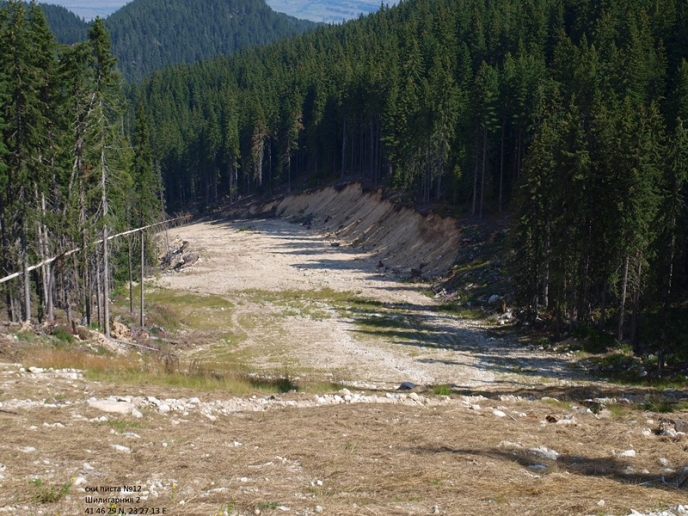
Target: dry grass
x=369, y=459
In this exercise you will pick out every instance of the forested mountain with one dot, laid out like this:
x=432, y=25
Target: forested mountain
x=568, y=114
x=149, y=35
x=67, y=27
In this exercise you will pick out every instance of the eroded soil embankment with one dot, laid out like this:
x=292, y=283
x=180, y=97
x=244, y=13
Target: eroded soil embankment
x=401, y=237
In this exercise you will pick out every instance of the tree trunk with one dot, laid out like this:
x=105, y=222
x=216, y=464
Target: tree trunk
x=27, y=282
x=622, y=307
x=106, y=259
x=475, y=181
x=482, y=178
x=501, y=168
x=131, y=278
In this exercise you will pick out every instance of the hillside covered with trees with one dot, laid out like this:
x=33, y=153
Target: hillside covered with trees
x=570, y=115
x=69, y=175
x=149, y=35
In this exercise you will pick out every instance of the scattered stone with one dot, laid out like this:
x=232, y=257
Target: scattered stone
x=672, y=427
x=318, y=509
x=544, y=452
x=115, y=407
x=627, y=453
x=120, y=332
x=27, y=449
x=664, y=462
x=406, y=386
x=499, y=413
x=537, y=467
x=120, y=448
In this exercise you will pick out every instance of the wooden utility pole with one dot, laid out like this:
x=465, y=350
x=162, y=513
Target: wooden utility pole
x=131, y=280
x=143, y=263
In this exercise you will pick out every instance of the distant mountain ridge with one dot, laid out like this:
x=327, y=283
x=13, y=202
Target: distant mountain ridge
x=149, y=35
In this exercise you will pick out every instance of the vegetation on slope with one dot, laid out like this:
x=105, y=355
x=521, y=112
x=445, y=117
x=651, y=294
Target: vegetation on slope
x=568, y=114
x=149, y=35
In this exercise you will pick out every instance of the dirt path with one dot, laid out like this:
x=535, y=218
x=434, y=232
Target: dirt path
x=369, y=329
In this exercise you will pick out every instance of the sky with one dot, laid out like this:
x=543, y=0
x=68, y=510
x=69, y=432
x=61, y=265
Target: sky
x=89, y=9
x=330, y=11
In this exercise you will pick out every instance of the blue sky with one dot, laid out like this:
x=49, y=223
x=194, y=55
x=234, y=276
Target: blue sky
x=89, y=9
x=331, y=11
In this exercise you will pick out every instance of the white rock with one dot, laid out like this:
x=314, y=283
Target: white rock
x=115, y=407
x=120, y=448
x=194, y=400
x=499, y=413
x=345, y=392
x=664, y=462
x=414, y=396
x=537, y=467
x=27, y=449
x=283, y=508
x=79, y=481
x=164, y=408
x=36, y=370
x=627, y=453
x=544, y=452
x=136, y=413
x=88, y=467
x=318, y=509
x=601, y=503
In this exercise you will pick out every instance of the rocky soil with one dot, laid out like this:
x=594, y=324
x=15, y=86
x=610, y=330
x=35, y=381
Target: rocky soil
x=521, y=431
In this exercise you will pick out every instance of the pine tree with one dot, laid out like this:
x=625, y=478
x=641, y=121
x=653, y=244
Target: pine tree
x=147, y=207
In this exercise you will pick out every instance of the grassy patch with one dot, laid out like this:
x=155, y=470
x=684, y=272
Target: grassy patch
x=49, y=493
x=442, y=390
x=121, y=425
x=156, y=370
x=664, y=406
x=63, y=334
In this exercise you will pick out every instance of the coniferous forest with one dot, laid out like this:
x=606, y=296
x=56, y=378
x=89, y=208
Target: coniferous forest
x=569, y=116
x=69, y=175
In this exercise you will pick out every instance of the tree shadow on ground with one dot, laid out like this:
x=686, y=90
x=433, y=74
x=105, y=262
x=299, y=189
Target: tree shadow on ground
x=606, y=467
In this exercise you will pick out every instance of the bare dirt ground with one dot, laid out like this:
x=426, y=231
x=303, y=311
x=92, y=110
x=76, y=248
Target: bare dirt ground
x=405, y=338
x=514, y=436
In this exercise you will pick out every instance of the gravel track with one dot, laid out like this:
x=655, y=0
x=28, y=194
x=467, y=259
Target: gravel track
x=420, y=344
